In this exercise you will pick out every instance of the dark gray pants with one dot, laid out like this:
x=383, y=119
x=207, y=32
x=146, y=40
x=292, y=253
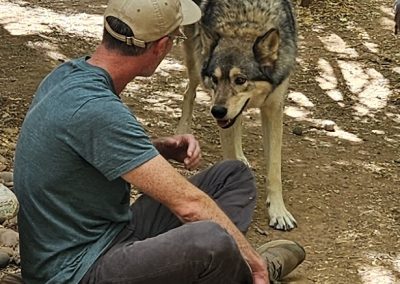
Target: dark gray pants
x=155, y=248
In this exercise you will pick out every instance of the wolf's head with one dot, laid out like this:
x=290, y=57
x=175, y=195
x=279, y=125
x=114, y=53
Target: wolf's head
x=239, y=73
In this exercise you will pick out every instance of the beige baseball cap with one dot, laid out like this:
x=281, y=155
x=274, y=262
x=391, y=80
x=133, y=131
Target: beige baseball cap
x=150, y=20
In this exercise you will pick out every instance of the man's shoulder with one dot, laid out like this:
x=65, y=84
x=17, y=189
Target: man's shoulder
x=77, y=73
x=99, y=102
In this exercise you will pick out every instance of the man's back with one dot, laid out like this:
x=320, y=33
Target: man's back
x=73, y=202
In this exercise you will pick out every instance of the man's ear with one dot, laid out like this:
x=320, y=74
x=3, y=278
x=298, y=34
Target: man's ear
x=161, y=46
x=266, y=48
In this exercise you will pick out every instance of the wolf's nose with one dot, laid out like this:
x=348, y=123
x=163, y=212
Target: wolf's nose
x=219, y=111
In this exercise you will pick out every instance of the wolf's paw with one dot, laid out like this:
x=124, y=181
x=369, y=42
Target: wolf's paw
x=281, y=218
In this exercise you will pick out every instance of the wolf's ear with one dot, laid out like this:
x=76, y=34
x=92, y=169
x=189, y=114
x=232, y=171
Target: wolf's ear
x=266, y=48
x=209, y=40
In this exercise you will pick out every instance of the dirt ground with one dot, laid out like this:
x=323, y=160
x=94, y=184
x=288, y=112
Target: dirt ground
x=342, y=186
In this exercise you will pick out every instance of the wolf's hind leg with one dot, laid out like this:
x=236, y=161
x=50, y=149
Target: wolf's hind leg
x=192, y=51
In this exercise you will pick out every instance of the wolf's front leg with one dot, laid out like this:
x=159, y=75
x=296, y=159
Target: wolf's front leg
x=272, y=124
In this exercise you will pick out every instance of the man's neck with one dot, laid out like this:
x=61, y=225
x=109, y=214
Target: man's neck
x=122, y=69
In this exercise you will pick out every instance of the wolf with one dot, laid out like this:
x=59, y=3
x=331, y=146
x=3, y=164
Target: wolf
x=244, y=52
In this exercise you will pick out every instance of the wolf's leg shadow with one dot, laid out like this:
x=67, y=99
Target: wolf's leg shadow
x=272, y=125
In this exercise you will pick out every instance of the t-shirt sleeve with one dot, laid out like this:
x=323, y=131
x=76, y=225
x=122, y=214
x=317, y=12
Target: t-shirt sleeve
x=107, y=135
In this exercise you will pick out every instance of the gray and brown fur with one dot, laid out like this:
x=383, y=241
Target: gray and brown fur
x=243, y=52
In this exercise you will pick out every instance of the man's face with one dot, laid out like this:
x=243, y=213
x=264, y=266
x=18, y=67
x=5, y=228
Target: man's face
x=159, y=50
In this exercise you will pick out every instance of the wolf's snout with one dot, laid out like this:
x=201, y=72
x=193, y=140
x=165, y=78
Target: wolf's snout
x=219, y=111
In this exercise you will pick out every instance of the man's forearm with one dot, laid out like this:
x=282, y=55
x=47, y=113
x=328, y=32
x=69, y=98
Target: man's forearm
x=186, y=201
x=206, y=209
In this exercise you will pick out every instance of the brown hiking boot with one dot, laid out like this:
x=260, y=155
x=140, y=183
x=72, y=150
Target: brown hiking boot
x=282, y=257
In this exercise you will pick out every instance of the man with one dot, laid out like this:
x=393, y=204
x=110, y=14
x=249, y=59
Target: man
x=80, y=149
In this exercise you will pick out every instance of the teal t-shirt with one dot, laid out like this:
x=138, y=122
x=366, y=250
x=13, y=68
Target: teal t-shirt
x=76, y=141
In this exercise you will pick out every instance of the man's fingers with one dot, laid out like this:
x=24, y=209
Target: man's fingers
x=193, y=146
x=192, y=163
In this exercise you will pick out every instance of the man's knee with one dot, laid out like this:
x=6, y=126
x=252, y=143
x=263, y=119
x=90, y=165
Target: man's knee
x=237, y=166
x=240, y=170
x=213, y=254
x=211, y=239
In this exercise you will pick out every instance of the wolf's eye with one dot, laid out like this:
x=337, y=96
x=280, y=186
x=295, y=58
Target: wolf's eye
x=240, y=80
x=214, y=79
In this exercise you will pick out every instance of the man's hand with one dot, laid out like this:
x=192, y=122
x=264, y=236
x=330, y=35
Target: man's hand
x=183, y=148
x=260, y=278
x=258, y=269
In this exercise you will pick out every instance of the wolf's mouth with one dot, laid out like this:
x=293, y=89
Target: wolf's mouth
x=226, y=123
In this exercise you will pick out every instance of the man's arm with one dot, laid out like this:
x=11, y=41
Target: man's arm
x=183, y=148
x=158, y=179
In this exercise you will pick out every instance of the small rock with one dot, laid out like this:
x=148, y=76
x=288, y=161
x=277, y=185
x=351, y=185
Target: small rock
x=13, y=254
x=378, y=132
x=8, y=203
x=11, y=223
x=297, y=130
x=9, y=243
x=329, y=126
x=8, y=238
x=7, y=178
x=4, y=259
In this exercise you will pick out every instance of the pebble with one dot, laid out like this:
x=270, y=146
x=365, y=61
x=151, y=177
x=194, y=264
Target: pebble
x=9, y=244
x=11, y=223
x=298, y=130
x=3, y=162
x=4, y=259
x=8, y=203
x=8, y=238
x=327, y=125
x=7, y=178
x=330, y=126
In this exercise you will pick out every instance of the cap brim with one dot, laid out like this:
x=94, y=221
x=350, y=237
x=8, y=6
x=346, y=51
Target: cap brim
x=190, y=11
